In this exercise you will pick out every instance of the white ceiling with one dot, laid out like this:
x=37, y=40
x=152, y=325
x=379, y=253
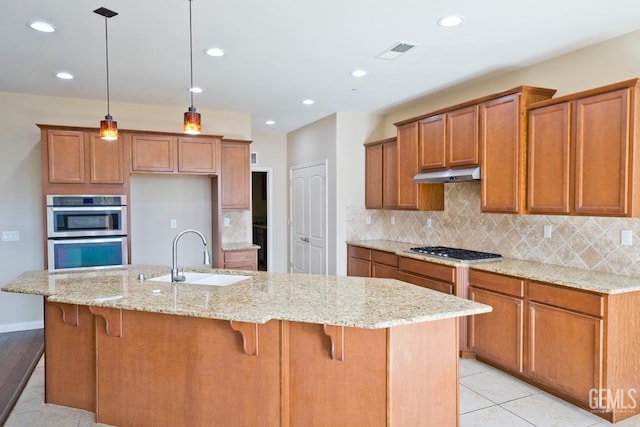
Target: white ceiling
x=280, y=52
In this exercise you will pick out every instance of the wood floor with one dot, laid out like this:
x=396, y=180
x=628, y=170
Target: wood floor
x=19, y=354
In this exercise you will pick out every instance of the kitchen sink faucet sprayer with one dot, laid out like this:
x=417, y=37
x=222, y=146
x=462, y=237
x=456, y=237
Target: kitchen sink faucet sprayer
x=175, y=275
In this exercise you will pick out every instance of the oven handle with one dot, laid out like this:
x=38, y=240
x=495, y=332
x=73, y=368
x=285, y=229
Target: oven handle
x=87, y=239
x=85, y=208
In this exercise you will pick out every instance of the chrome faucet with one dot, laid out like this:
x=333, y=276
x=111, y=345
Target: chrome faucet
x=175, y=274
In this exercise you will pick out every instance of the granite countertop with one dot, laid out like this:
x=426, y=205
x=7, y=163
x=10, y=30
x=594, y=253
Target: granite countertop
x=239, y=246
x=333, y=300
x=595, y=281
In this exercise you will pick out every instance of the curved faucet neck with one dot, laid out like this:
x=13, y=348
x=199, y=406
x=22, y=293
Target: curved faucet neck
x=174, y=266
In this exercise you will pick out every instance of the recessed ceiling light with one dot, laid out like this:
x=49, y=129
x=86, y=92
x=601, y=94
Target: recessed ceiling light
x=195, y=89
x=450, y=21
x=42, y=26
x=64, y=75
x=359, y=73
x=308, y=101
x=214, y=51
x=270, y=122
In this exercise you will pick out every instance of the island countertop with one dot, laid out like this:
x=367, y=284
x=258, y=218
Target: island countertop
x=331, y=300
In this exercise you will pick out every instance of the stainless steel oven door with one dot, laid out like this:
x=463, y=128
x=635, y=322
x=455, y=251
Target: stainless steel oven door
x=86, y=221
x=99, y=252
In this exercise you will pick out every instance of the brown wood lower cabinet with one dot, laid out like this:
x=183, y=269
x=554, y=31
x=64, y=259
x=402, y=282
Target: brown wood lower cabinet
x=364, y=262
x=241, y=259
x=498, y=337
x=427, y=274
x=136, y=368
x=580, y=345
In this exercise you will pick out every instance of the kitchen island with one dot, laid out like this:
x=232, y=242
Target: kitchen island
x=273, y=349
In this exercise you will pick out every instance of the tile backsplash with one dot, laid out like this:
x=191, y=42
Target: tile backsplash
x=239, y=226
x=591, y=243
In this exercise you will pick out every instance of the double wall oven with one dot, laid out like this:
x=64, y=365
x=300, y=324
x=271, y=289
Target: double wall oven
x=86, y=231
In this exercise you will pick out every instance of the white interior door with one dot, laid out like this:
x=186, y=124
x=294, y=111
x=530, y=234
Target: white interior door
x=309, y=218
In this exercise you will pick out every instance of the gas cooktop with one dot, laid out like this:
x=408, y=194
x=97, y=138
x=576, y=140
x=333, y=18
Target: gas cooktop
x=457, y=254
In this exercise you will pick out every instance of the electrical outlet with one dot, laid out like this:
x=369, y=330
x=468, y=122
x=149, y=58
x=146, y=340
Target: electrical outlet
x=393, y=220
x=10, y=236
x=429, y=223
x=626, y=237
x=368, y=220
x=227, y=222
x=174, y=223
x=547, y=231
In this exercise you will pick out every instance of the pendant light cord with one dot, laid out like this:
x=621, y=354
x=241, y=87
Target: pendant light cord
x=191, y=53
x=106, y=42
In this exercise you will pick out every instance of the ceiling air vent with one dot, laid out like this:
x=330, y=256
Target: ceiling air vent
x=396, y=50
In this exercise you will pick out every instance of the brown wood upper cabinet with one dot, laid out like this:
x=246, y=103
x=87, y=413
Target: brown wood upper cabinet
x=450, y=139
x=235, y=174
x=413, y=196
x=78, y=156
x=503, y=127
x=582, y=153
x=381, y=174
x=166, y=153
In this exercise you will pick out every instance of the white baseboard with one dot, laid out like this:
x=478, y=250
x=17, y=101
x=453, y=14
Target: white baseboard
x=13, y=327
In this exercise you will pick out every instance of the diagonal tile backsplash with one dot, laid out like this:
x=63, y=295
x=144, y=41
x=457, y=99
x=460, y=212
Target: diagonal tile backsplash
x=591, y=243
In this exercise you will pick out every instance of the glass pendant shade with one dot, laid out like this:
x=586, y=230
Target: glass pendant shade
x=108, y=129
x=192, y=122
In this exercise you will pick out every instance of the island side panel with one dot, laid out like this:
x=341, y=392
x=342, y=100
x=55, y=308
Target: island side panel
x=423, y=374
x=70, y=368
x=326, y=392
x=178, y=370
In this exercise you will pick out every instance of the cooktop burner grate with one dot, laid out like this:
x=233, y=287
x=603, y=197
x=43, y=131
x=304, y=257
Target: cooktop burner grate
x=455, y=253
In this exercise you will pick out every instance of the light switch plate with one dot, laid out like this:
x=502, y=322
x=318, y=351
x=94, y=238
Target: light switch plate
x=227, y=222
x=368, y=220
x=547, y=231
x=626, y=237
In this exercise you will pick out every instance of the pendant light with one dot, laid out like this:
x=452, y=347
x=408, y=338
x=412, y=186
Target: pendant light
x=191, y=117
x=108, y=126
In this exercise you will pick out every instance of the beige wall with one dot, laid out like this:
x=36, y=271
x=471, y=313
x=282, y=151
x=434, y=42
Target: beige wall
x=20, y=191
x=598, y=65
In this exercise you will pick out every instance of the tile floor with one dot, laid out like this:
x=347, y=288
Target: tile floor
x=488, y=398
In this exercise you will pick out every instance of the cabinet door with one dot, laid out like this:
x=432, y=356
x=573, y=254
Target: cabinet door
x=198, y=155
x=235, y=175
x=407, y=166
x=106, y=162
x=549, y=159
x=565, y=350
x=501, y=155
x=462, y=137
x=498, y=336
x=374, y=176
x=358, y=267
x=412, y=196
x=390, y=175
x=602, y=147
x=66, y=158
x=153, y=153
x=433, y=141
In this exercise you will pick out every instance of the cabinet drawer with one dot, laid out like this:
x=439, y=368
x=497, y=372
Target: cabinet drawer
x=436, y=285
x=497, y=283
x=240, y=256
x=570, y=299
x=441, y=272
x=358, y=252
x=386, y=258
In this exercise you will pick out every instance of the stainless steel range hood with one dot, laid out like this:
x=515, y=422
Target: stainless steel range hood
x=449, y=175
